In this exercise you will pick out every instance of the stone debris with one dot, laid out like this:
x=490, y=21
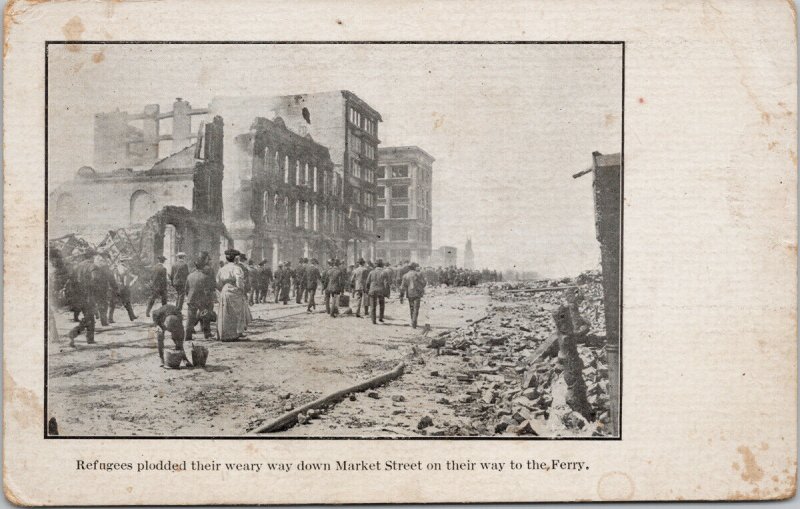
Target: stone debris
x=437, y=342
x=510, y=363
x=425, y=422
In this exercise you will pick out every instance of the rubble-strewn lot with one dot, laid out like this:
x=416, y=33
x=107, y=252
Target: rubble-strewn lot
x=482, y=379
x=471, y=372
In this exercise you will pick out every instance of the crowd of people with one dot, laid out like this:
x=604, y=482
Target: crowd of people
x=92, y=290
x=457, y=276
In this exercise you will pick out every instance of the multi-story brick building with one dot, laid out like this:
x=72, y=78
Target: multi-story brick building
x=404, y=219
x=343, y=123
x=291, y=205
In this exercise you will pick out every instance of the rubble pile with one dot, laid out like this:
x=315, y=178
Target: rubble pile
x=510, y=379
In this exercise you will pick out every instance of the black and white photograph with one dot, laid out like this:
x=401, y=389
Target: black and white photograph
x=360, y=240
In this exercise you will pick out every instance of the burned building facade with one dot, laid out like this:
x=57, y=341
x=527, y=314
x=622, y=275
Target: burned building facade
x=168, y=205
x=343, y=123
x=288, y=203
x=404, y=218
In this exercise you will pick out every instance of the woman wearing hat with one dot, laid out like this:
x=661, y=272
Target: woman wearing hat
x=234, y=313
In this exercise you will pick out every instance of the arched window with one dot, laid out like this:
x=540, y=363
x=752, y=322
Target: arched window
x=286, y=210
x=142, y=207
x=265, y=204
x=314, y=176
x=298, y=177
x=297, y=213
x=286, y=170
x=276, y=164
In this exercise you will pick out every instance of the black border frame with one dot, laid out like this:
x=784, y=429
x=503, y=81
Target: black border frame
x=326, y=42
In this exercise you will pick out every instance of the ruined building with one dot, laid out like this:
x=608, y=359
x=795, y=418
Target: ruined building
x=469, y=256
x=288, y=203
x=167, y=205
x=338, y=120
x=403, y=212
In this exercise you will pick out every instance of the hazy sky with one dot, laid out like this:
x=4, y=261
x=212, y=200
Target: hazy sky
x=507, y=124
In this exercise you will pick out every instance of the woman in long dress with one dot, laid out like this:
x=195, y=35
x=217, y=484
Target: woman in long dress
x=234, y=313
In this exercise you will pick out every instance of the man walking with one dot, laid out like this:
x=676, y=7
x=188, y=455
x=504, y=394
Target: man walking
x=86, y=278
x=313, y=276
x=254, y=275
x=104, y=290
x=124, y=280
x=285, y=282
x=200, y=287
x=336, y=283
x=177, y=276
x=402, y=271
x=324, y=278
x=388, y=274
x=276, y=282
x=358, y=284
x=264, y=280
x=370, y=267
x=241, y=258
x=413, y=287
x=377, y=283
x=158, y=284
x=299, y=281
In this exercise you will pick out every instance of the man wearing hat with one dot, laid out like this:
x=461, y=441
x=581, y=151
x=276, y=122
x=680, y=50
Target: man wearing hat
x=105, y=288
x=177, y=276
x=285, y=282
x=241, y=258
x=276, y=282
x=125, y=280
x=413, y=287
x=331, y=282
x=313, y=276
x=324, y=280
x=335, y=279
x=254, y=276
x=85, y=279
x=377, y=287
x=200, y=296
x=264, y=281
x=358, y=284
x=158, y=284
x=299, y=277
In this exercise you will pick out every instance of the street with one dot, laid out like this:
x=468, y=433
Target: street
x=117, y=387
x=479, y=369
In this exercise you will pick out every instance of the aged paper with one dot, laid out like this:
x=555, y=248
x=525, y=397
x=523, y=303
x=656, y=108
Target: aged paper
x=443, y=252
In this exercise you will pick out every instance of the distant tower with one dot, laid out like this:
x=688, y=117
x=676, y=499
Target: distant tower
x=469, y=256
